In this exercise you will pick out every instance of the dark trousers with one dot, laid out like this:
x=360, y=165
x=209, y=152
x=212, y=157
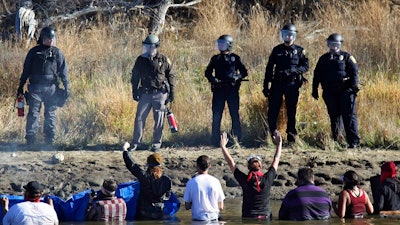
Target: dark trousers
x=37, y=95
x=341, y=104
x=220, y=96
x=291, y=92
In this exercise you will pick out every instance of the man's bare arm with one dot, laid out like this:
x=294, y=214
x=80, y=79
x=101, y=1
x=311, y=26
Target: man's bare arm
x=278, y=142
x=228, y=157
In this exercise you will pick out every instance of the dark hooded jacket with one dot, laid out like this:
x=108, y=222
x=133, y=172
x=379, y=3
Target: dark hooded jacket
x=389, y=195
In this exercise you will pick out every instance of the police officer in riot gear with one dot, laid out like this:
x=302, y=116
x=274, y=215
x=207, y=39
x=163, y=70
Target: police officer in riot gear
x=44, y=66
x=283, y=77
x=153, y=83
x=337, y=72
x=228, y=72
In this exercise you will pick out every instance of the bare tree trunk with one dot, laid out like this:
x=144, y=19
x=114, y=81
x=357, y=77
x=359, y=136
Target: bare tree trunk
x=157, y=20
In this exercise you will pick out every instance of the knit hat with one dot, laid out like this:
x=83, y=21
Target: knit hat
x=388, y=169
x=154, y=159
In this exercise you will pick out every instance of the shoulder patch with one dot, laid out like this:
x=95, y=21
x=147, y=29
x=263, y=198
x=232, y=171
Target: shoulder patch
x=353, y=59
x=168, y=61
x=303, y=52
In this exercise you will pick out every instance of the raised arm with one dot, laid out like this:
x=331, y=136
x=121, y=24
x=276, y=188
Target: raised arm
x=130, y=163
x=228, y=157
x=278, y=142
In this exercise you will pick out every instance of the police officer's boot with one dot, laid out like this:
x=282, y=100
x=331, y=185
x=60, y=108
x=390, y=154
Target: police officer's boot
x=49, y=140
x=291, y=138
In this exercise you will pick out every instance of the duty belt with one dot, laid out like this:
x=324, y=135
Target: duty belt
x=153, y=90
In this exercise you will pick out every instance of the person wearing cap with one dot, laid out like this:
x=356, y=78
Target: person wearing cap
x=31, y=210
x=353, y=201
x=44, y=66
x=283, y=77
x=153, y=86
x=389, y=189
x=256, y=186
x=155, y=187
x=307, y=201
x=203, y=193
x=107, y=206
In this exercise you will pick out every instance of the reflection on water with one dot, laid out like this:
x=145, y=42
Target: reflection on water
x=232, y=215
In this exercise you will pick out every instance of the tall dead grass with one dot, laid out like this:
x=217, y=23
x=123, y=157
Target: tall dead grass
x=101, y=109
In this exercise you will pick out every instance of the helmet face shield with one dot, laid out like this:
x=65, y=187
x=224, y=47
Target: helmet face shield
x=49, y=41
x=47, y=37
x=334, y=46
x=222, y=45
x=288, y=36
x=149, y=50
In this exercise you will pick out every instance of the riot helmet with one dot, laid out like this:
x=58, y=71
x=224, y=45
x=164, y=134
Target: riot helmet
x=334, y=42
x=224, y=43
x=47, y=33
x=152, y=40
x=150, y=45
x=288, y=33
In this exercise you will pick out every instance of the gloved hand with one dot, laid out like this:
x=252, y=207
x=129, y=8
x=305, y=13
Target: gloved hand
x=214, y=80
x=302, y=79
x=355, y=89
x=237, y=77
x=20, y=91
x=135, y=96
x=265, y=92
x=171, y=97
x=315, y=94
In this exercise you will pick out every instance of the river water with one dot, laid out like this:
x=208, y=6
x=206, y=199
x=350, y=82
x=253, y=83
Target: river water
x=232, y=215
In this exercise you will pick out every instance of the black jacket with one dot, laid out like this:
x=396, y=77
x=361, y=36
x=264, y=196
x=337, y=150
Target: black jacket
x=153, y=192
x=44, y=65
x=389, y=195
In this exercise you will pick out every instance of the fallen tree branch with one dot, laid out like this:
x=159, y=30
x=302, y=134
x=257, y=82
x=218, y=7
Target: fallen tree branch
x=5, y=7
x=158, y=12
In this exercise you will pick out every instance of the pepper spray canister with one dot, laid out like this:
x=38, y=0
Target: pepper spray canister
x=21, y=105
x=172, y=121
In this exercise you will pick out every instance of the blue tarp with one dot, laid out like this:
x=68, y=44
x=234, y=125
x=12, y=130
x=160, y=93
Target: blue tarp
x=74, y=208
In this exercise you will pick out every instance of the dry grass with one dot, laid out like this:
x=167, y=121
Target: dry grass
x=100, y=59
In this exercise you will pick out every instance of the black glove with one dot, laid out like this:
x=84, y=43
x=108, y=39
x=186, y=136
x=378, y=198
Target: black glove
x=170, y=98
x=20, y=91
x=315, y=94
x=214, y=80
x=265, y=92
x=303, y=80
x=355, y=89
x=237, y=77
x=135, y=96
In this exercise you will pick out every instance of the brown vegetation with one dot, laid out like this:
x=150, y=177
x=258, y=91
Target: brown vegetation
x=100, y=56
